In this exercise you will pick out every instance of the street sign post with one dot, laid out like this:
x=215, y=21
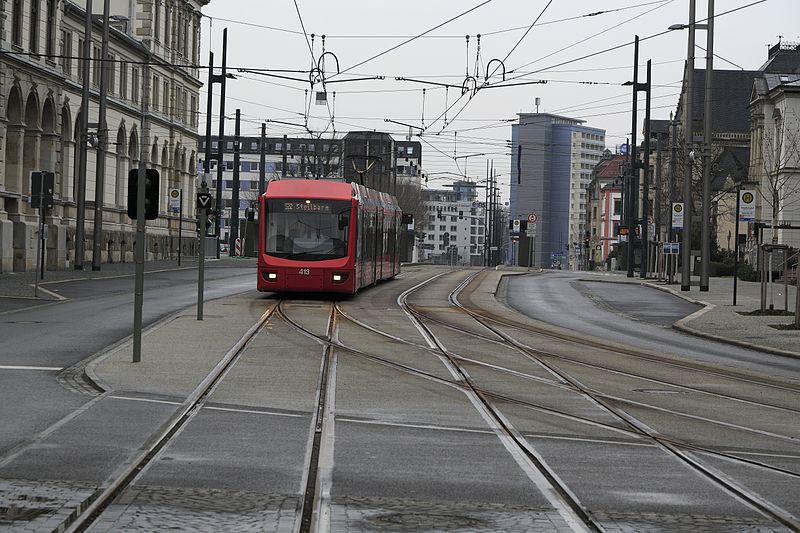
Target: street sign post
x=42, y=185
x=747, y=206
x=176, y=206
x=677, y=215
x=530, y=232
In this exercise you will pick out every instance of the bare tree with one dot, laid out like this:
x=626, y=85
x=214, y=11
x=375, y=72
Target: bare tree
x=777, y=161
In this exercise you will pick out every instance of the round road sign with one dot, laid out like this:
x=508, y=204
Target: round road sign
x=532, y=217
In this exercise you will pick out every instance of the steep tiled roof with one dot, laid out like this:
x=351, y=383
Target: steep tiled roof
x=783, y=58
x=609, y=168
x=659, y=127
x=730, y=97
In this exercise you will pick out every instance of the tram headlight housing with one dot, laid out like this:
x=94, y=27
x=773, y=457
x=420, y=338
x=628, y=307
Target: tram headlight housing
x=271, y=276
x=339, y=278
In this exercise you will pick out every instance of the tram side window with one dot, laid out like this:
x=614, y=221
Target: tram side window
x=391, y=233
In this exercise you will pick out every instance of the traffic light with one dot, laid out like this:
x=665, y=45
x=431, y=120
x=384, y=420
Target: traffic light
x=210, y=224
x=151, y=193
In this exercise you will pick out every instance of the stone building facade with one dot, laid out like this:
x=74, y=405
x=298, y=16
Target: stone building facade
x=40, y=102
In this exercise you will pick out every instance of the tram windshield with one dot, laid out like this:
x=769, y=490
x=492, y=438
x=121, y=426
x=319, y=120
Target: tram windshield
x=307, y=230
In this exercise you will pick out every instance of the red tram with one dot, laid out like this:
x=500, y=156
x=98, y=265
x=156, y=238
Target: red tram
x=324, y=236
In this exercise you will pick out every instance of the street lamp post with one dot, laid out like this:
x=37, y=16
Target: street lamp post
x=705, y=242
x=705, y=236
x=686, y=244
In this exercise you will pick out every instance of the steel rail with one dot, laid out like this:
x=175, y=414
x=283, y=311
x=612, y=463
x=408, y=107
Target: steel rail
x=750, y=498
x=566, y=386
x=545, y=479
x=164, y=435
x=310, y=511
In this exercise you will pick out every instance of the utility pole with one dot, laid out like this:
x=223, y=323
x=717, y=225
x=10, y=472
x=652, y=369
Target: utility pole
x=673, y=176
x=633, y=183
x=659, y=213
x=486, y=218
x=645, y=166
x=705, y=234
x=139, y=249
x=686, y=245
x=102, y=146
x=83, y=135
x=222, y=79
x=492, y=241
x=202, y=212
x=283, y=157
x=262, y=170
x=233, y=235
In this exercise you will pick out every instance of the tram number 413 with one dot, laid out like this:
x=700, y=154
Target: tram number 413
x=305, y=272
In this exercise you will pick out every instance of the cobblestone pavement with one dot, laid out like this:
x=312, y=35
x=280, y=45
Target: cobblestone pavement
x=351, y=515
x=149, y=509
x=40, y=506
x=661, y=523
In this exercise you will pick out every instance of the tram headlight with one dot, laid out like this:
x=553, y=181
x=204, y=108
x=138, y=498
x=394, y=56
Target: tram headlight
x=339, y=278
x=271, y=276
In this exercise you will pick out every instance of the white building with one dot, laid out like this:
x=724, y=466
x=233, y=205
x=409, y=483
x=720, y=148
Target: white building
x=454, y=229
x=775, y=148
x=305, y=157
x=40, y=101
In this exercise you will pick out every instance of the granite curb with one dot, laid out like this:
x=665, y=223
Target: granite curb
x=683, y=325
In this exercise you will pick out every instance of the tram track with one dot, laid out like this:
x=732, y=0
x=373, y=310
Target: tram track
x=314, y=513
x=681, y=443
x=165, y=435
x=496, y=338
x=567, y=386
x=674, y=447
x=745, y=495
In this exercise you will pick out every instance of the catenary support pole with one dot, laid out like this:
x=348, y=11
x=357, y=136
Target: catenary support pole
x=262, y=170
x=202, y=213
x=102, y=145
x=686, y=245
x=705, y=233
x=645, y=265
x=180, y=227
x=673, y=167
x=221, y=143
x=83, y=136
x=233, y=234
x=139, y=243
x=633, y=189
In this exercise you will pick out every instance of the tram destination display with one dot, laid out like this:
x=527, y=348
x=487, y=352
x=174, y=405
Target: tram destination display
x=306, y=207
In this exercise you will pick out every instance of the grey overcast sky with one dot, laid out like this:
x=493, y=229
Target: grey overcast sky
x=269, y=35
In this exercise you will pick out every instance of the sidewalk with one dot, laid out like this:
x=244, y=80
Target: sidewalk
x=720, y=320
x=20, y=284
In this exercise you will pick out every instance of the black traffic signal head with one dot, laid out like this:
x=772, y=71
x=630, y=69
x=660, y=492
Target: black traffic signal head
x=151, y=193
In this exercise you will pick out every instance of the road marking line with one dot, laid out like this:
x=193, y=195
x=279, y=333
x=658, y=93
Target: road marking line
x=22, y=367
x=148, y=400
x=589, y=440
x=51, y=293
x=230, y=409
x=415, y=426
x=255, y=412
